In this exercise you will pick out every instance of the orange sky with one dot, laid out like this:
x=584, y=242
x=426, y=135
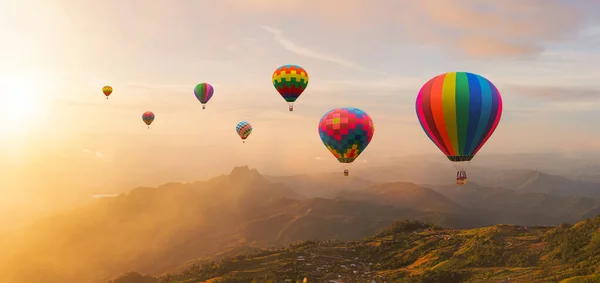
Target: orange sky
x=60, y=139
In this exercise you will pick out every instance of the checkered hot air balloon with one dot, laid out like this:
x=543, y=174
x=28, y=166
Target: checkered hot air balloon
x=107, y=90
x=346, y=132
x=290, y=81
x=148, y=118
x=204, y=92
x=459, y=111
x=243, y=129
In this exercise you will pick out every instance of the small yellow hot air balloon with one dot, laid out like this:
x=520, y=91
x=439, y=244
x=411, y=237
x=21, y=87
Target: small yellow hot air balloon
x=107, y=90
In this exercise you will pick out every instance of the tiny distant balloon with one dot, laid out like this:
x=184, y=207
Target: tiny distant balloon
x=148, y=118
x=290, y=81
x=243, y=129
x=204, y=92
x=346, y=132
x=107, y=90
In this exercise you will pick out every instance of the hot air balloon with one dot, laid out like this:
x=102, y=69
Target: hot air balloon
x=204, y=92
x=459, y=111
x=346, y=132
x=243, y=129
x=290, y=81
x=148, y=118
x=107, y=90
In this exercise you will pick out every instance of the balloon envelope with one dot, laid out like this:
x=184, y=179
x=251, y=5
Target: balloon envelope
x=243, y=129
x=290, y=81
x=459, y=111
x=148, y=117
x=346, y=132
x=204, y=92
x=107, y=90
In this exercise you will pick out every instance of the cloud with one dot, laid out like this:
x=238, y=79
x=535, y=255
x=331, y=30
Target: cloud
x=555, y=93
x=303, y=51
x=105, y=195
x=89, y=152
x=493, y=28
x=476, y=28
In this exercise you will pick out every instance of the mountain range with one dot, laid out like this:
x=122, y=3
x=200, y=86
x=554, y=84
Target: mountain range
x=412, y=251
x=158, y=230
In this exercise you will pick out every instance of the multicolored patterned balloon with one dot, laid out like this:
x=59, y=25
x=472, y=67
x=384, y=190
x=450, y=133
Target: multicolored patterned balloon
x=459, y=112
x=204, y=92
x=148, y=118
x=107, y=90
x=346, y=132
x=243, y=129
x=290, y=81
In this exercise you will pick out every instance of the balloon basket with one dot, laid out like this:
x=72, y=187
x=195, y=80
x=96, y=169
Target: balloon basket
x=203, y=106
x=243, y=141
x=291, y=108
x=346, y=173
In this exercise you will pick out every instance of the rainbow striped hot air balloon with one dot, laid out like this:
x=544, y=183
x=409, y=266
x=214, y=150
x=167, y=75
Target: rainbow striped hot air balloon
x=346, y=132
x=459, y=111
x=243, y=129
x=290, y=81
x=203, y=92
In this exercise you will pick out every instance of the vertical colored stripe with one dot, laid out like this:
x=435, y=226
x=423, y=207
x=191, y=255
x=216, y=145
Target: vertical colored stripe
x=430, y=118
x=462, y=110
x=486, y=111
x=437, y=110
x=497, y=114
x=421, y=115
x=474, y=112
x=449, y=109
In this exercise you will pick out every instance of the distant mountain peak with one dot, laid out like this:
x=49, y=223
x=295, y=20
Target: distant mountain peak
x=244, y=172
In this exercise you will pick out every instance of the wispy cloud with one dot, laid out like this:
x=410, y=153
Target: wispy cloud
x=494, y=28
x=105, y=195
x=89, y=152
x=555, y=93
x=475, y=28
x=303, y=51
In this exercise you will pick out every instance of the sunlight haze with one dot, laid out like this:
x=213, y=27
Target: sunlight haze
x=63, y=142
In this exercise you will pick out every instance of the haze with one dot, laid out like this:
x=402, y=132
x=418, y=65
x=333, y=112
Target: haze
x=62, y=143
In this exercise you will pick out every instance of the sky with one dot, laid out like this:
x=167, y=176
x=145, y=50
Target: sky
x=59, y=133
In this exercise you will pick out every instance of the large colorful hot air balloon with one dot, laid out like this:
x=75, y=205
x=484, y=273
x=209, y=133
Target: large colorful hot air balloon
x=107, y=90
x=290, y=81
x=148, y=118
x=243, y=129
x=459, y=111
x=346, y=132
x=204, y=92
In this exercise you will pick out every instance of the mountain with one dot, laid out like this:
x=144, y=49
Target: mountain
x=154, y=229
x=158, y=229
x=533, y=181
x=174, y=222
x=405, y=195
x=562, y=172
x=417, y=252
x=510, y=206
x=325, y=185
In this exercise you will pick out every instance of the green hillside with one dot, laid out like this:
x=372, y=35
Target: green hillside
x=412, y=251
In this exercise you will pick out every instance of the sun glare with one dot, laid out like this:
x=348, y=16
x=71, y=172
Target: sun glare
x=19, y=104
